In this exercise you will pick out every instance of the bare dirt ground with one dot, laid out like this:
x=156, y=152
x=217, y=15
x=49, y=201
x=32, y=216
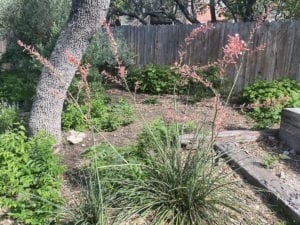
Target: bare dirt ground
x=202, y=111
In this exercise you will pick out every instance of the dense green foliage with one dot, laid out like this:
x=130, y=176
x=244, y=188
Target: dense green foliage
x=153, y=79
x=99, y=53
x=156, y=79
x=288, y=9
x=268, y=98
x=30, y=177
x=8, y=116
x=18, y=87
x=35, y=22
x=105, y=114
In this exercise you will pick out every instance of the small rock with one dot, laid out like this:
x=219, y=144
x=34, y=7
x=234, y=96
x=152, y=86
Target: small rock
x=271, y=138
x=293, y=152
x=3, y=211
x=285, y=155
x=282, y=175
x=6, y=222
x=83, y=145
x=286, y=152
x=75, y=137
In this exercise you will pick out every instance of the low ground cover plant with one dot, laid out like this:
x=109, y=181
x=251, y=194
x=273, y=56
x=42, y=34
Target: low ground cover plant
x=104, y=114
x=30, y=177
x=271, y=160
x=8, y=116
x=266, y=99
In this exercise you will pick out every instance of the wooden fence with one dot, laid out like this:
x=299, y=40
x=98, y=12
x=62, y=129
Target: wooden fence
x=281, y=56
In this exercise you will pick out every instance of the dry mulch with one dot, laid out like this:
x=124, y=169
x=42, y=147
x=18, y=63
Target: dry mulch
x=202, y=111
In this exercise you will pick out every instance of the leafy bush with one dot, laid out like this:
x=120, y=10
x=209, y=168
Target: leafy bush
x=196, y=91
x=34, y=22
x=105, y=115
x=99, y=53
x=155, y=79
x=8, y=116
x=18, y=86
x=268, y=98
x=30, y=177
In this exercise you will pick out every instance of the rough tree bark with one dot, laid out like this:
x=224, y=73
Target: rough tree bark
x=212, y=8
x=84, y=21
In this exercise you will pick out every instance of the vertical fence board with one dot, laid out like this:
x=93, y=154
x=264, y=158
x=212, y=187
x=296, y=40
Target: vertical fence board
x=160, y=45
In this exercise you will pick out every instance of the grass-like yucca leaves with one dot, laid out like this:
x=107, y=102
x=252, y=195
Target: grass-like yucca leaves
x=181, y=188
x=91, y=208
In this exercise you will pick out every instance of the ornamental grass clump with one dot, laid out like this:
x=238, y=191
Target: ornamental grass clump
x=177, y=187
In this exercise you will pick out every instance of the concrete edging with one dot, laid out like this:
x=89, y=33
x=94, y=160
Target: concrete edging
x=257, y=175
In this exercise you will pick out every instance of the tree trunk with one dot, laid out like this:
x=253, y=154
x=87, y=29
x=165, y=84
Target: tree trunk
x=84, y=21
x=212, y=8
x=249, y=14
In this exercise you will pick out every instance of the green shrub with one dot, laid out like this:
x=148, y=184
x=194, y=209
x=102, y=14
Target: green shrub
x=105, y=115
x=35, y=22
x=268, y=98
x=99, y=53
x=196, y=91
x=8, y=116
x=18, y=86
x=155, y=79
x=30, y=177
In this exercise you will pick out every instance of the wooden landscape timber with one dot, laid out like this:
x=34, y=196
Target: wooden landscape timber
x=252, y=168
x=290, y=128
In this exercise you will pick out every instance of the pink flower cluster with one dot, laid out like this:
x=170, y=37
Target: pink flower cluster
x=36, y=55
x=234, y=49
x=172, y=116
x=82, y=69
x=221, y=116
x=263, y=16
x=122, y=72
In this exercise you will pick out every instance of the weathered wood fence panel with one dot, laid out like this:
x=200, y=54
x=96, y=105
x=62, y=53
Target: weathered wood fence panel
x=281, y=57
